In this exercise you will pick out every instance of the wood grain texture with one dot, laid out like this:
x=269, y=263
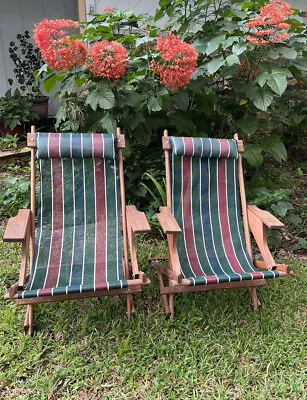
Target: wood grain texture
x=167, y=221
x=137, y=220
x=17, y=227
x=265, y=217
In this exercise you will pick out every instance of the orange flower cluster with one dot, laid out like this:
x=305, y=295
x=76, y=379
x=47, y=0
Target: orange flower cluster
x=177, y=62
x=270, y=21
x=58, y=50
x=108, y=59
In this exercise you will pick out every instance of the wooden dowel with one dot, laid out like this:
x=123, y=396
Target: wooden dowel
x=243, y=202
x=123, y=201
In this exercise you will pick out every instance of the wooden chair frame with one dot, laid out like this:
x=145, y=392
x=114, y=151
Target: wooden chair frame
x=22, y=229
x=254, y=220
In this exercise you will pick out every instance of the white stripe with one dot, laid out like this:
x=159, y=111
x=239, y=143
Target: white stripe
x=95, y=221
x=201, y=214
x=82, y=154
x=50, y=247
x=60, y=152
x=121, y=284
x=237, y=218
x=228, y=149
x=113, y=144
x=106, y=213
x=41, y=222
x=209, y=198
x=70, y=145
x=63, y=230
x=92, y=147
x=74, y=211
x=202, y=147
x=116, y=217
x=102, y=144
x=48, y=145
x=84, y=225
x=108, y=286
x=52, y=292
x=220, y=145
x=210, y=148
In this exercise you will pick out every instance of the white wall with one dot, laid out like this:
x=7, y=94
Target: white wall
x=16, y=16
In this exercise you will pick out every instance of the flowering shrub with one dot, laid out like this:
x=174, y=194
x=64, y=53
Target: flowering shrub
x=268, y=24
x=177, y=62
x=108, y=60
x=58, y=50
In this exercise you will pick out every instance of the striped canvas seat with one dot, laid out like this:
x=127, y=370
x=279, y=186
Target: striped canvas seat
x=206, y=205
x=79, y=239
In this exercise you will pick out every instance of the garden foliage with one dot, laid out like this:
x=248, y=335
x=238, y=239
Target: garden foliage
x=213, y=69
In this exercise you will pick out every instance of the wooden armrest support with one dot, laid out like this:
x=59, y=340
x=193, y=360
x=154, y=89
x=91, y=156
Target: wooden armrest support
x=167, y=221
x=167, y=271
x=17, y=227
x=279, y=267
x=137, y=220
x=266, y=218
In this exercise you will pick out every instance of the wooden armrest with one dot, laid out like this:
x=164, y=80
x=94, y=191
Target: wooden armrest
x=167, y=221
x=137, y=220
x=17, y=227
x=265, y=217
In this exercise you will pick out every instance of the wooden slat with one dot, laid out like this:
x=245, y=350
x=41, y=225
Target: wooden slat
x=120, y=140
x=214, y=286
x=280, y=267
x=167, y=221
x=16, y=228
x=165, y=143
x=240, y=146
x=137, y=220
x=267, y=218
x=167, y=272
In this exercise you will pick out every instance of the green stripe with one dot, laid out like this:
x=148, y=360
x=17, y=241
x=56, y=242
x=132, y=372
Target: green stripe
x=68, y=223
x=44, y=249
x=90, y=221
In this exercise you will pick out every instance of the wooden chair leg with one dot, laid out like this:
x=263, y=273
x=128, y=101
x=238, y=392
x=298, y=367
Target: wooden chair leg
x=171, y=306
x=28, y=324
x=164, y=296
x=130, y=306
x=255, y=301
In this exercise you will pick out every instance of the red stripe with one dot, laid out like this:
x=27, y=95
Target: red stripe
x=188, y=146
x=257, y=275
x=187, y=212
x=101, y=219
x=223, y=214
x=54, y=145
x=97, y=145
x=45, y=292
x=57, y=220
x=225, y=147
x=101, y=286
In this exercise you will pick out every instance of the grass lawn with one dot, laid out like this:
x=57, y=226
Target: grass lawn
x=217, y=348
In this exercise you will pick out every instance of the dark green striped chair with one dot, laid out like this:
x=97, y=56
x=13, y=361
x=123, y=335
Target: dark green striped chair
x=208, y=248
x=83, y=224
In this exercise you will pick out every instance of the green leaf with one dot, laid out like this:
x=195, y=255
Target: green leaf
x=262, y=78
x=108, y=123
x=248, y=125
x=274, y=145
x=232, y=59
x=105, y=99
x=253, y=155
x=183, y=123
x=154, y=104
x=215, y=65
x=181, y=100
x=200, y=45
x=50, y=82
x=281, y=208
x=287, y=52
x=214, y=44
x=239, y=48
x=261, y=98
x=277, y=82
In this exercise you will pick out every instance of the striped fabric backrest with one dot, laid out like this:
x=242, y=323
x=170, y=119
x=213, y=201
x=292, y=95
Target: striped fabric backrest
x=79, y=217
x=206, y=199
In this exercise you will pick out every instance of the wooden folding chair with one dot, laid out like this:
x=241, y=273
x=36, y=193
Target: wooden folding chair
x=83, y=224
x=203, y=222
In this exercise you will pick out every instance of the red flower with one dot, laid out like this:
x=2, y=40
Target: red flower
x=107, y=9
x=58, y=50
x=177, y=62
x=270, y=20
x=108, y=59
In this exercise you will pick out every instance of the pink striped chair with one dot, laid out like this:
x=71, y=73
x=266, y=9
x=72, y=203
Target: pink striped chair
x=208, y=247
x=83, y=224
